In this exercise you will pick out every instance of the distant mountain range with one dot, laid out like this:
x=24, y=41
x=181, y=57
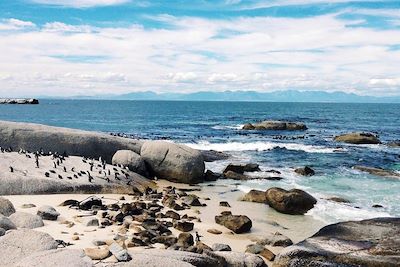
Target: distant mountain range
x=276, y=96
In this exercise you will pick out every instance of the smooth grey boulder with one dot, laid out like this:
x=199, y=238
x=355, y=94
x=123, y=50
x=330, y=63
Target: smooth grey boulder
x=48, y=213
x=130, y=159
x=358, y=138
x=173, y=162
x=6, y=223
x=26, y=220
x=6, y=207
x=34, y=137
x=367, y=243
x=221, y=247
x=17, y=244
x=119, y=252
x=182, y=257
x=59, y=258
x=237, y=259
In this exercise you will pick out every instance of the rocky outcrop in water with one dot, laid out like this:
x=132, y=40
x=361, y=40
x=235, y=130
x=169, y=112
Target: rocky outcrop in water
x=275, y=126
x=369, y=243
x=173, y=162
x=37, y=137
x=31, y=101
x=378, y=171
x=358, y=138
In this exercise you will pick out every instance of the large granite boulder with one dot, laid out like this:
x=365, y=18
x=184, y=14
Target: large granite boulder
x=26, y=220
x=18, y=244
x=130, y=159
x=237, y=223
x=6, y=207
x=367, y=243
x=276, y=126
x=237, y=259
x=173, y=162
x=295, y=201
x=255, y=196
x=59, y=258
x=358, y=138
x=160, y=257
x=34, y=137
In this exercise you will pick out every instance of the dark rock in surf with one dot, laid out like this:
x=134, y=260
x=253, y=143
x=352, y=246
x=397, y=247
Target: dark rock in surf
x=358, y=138
x=295, y=201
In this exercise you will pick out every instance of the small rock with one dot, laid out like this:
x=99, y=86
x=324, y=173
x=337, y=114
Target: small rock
x=27, y=206
x=75, y=237
x=221, y=247
x=173, y=215
x=6, y=223
x=377, y=206
x=214, y=231
x=119, y=252
x=224, y=204
x=295, y=201
x=184, y=226
x=237, y=223
x=26, y=220
x=69, y=202
x=254, y=248
x=97, y=253
x=48, y=213
x=306, y=171
x=98, y=242
x=91, y=222
x=267, y=254
x=275, y=240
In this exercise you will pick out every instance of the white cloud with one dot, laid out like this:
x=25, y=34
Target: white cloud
x=15, y=24
x=261, y=53
x=81, y=3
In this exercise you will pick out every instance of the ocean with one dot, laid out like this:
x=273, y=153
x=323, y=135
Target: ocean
x=216, y=125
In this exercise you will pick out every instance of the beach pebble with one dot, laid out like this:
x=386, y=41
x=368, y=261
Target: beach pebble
x=97, y=242
x=48, y=213
x=99, y=253
x=26, y=220
x=91, y=222
x=224, y=204
x=6, y=207
x=75, y=237
x=27, y=206
x=221, y=247
x=214, y=231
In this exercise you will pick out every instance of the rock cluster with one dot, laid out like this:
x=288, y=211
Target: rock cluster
x=31, y=101
x=358, y=138
x=276, y=126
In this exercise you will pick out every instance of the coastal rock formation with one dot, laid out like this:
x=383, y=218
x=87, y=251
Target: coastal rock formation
x=26, y=220
x=212, y=155
x=295, y=201
x=237, y=223
x=237, y=259
x=369, y=243
x=37, y=137
x=250, y=167
x=358, y=138
x=6, y=207
x=130, y=159
x=276, y=126
x=305, y=171
x=19, y=101
x=377, y=171
x=173, y=162
x=255, y=196
x=18, y=244
x=59, y=258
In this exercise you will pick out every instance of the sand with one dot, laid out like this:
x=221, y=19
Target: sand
x=265, y=220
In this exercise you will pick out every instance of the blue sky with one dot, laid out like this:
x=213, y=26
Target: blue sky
x=86, y=47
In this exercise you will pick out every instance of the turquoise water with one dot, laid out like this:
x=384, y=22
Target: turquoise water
x=215, y=125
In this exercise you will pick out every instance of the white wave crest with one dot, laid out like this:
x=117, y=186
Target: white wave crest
x=224, y=127
x=260, y=146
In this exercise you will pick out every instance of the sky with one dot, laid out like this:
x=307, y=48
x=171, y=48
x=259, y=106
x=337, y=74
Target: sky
x=90, y=47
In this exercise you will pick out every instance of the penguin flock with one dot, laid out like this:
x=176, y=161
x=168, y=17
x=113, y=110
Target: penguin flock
x=96, y=169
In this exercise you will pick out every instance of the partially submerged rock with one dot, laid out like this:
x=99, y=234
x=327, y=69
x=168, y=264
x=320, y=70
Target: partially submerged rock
x=173, y=162
x=377, y=171
x=212, y=155
x=276, y=126
x=369, y=243
x=241, y=168
x=295, y=201
x=305, y=171
x=358, y=138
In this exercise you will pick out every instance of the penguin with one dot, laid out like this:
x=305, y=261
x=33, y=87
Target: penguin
x=54, y=165
x=59, y=176
x=73, y=169
x=52, y=171
x=65, y=169
x=109, y=172
x=79, y=174
x=75, y=176
x=90, y=178
x=11, y=169
x=108, y=180
x=128, y=183
x=69, y=177
x=47, y=174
